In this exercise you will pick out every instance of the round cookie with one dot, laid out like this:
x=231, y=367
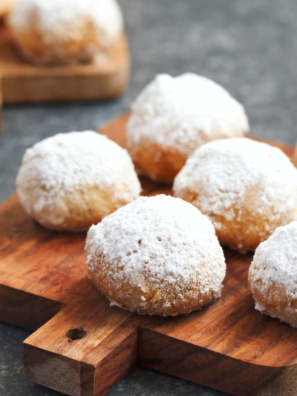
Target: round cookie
x=173, y=116
x=246, y=188
x=156, y=256
x=54, y=32
x=273, y=275
x=71, y=181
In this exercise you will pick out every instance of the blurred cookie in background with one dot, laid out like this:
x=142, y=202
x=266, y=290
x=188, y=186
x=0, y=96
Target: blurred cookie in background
x=63, y=32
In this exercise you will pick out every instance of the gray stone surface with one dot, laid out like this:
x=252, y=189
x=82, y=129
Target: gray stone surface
x=248, y=46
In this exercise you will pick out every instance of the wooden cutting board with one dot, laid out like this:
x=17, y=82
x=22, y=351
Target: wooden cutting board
x=82, y=346
x=21, y=82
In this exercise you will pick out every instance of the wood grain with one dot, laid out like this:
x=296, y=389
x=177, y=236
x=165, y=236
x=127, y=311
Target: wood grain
x=23, y=82
x=82, y=346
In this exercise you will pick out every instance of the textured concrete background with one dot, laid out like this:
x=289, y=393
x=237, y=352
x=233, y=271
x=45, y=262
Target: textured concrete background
x=248, y=46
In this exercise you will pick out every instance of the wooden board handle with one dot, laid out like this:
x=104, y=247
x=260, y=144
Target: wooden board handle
x=85, y=349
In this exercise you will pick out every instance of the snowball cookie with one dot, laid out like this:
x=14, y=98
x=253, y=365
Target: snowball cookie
x=71, y=181
x=273, y=275
x=246, y=188
x=54, y=32
x=173, y=116
x=156, y=256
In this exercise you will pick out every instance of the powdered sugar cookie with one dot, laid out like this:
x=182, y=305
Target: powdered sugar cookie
x=273, y=275
x=54, y=32
x=157, y=255
x=246, y=188
x=173, y=116
x=71, y=181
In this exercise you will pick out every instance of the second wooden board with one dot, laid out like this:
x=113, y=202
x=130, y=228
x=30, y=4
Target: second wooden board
x=83, y=346
x=21, y=82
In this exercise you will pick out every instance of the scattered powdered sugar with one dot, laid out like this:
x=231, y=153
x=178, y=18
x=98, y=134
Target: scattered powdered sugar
x=68, y=162
x=185, y=112
x=222, y=173
x=158, y=240
x=59, y=20
x=275, y=261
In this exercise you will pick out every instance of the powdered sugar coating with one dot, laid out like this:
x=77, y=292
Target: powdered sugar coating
x=61, y=18
x=158, y=243
x=222, y=173
x=71, y=162
x=184, y=112
x=61, y=23
x=273, y=274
